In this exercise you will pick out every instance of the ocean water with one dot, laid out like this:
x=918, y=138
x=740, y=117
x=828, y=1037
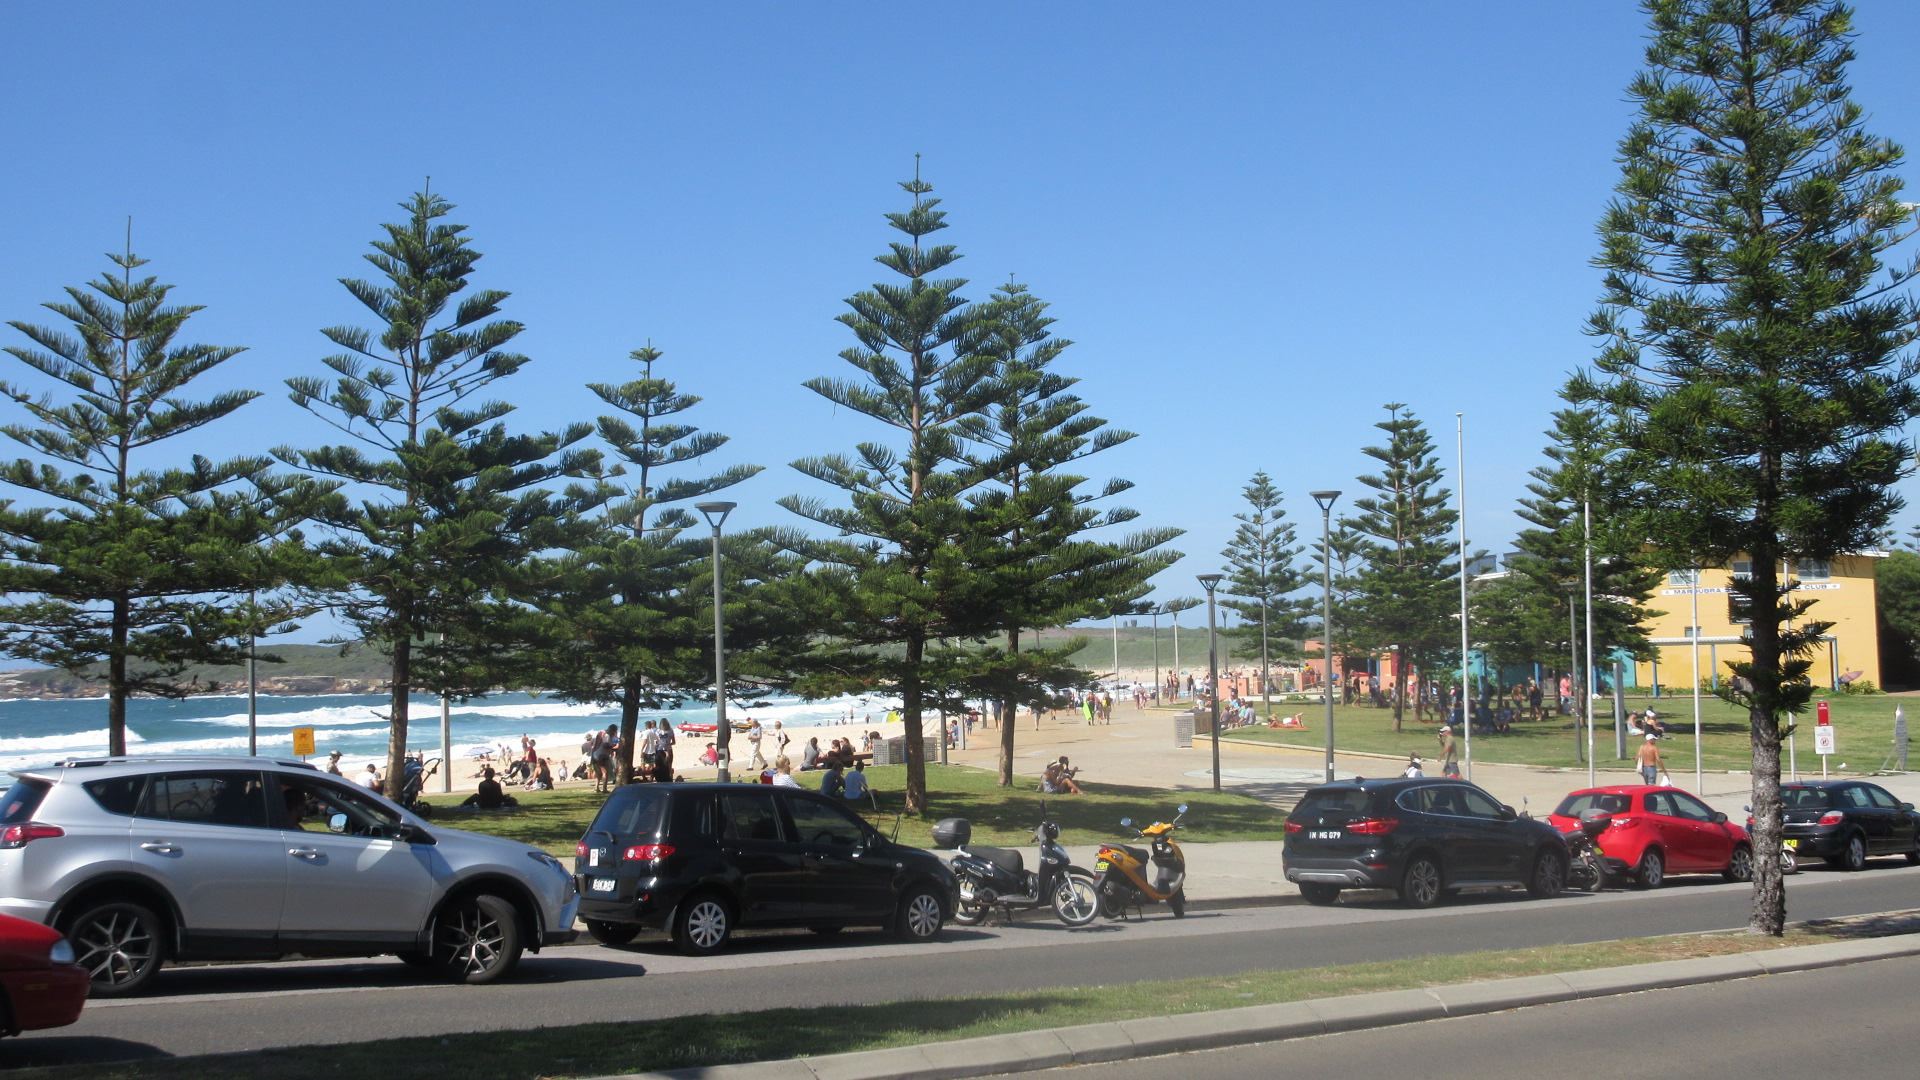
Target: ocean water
x=35, y=731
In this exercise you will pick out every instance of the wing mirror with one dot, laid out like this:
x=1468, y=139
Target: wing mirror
x=1718, y=818
x=1906, y=806
x=1127, y=821
x=1507, y=813
x=1182, y=808
x=337, y=823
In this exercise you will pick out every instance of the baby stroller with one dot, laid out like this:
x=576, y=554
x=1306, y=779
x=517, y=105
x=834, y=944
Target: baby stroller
x=416, y=780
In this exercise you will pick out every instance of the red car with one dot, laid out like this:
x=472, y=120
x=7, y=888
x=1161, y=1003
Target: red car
x=40, y=985
x=1658, y=831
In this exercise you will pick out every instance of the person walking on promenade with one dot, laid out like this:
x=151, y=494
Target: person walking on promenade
x=754, y=734
x=1649, y=760
x=1449, y=756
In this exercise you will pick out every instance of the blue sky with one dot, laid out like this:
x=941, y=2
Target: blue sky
x=1259, y=222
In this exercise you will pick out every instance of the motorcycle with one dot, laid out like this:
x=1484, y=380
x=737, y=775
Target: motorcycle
x=1584, y=868
x=992, y=878
x=1120, y=871
x=1789, y=857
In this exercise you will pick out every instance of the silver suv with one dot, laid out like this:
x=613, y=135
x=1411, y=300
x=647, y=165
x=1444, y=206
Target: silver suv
x=140, y=860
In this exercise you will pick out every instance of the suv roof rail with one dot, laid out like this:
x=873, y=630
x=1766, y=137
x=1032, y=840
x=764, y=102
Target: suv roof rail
x=145, y=759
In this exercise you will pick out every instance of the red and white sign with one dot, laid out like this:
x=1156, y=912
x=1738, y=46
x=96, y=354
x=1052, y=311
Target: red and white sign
x=1823, y=731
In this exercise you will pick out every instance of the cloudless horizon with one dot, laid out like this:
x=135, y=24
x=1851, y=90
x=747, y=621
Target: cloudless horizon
x=1259, y=223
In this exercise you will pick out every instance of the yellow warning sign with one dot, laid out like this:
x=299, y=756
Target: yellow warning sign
x=302, y=741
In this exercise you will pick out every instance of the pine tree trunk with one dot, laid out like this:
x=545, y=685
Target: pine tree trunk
x=1006, y=722
x=629, y=728
x=910, y=703
x=1768, y=915
x=117, y=681
x=397, y=715
x=1399, y=685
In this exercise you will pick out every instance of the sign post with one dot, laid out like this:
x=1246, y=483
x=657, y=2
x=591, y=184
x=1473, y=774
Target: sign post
x=303, y=742
x=1823, y=737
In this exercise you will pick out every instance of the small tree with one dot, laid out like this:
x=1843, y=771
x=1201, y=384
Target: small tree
x=144, y=570
x=1262, y=574
x=434, y=559
x=1755, y=369
x=1407, y=595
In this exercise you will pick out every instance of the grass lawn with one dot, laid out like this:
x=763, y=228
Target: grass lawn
x=706, y=1040
x=554, y=820
x=1863, y=732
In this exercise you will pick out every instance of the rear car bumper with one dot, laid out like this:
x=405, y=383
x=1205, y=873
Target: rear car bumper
x=1820, y=845
x=1349, y=873
x=648, y=901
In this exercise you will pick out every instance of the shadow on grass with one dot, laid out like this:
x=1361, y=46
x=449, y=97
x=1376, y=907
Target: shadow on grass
x=598, y=1049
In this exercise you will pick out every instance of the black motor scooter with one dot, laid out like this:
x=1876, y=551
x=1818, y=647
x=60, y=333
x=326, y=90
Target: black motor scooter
x=992, y=878
x=1584, y=869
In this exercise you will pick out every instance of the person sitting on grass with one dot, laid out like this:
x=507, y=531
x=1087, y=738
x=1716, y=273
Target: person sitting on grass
x=489, y=796
x=856, y=782
x=783, y=772
x=833, y=782
x=1058, y=779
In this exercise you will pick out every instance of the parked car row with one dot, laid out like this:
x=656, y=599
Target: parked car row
x=1429, y=838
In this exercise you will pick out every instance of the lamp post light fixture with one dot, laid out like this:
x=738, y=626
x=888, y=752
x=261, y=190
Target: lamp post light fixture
x=1325, y=499
x=1211, y=582
x=716, y=514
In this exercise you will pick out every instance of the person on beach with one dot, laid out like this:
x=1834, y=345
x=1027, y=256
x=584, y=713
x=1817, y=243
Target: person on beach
x=754, y=734
x=604, y=744
x=710, y=756
x=856, y=782
x=369, y=778
x=663, y=765
x=542, y=777
x=489, y=796
x=649, y=751
x=783, y=772
x=333, y=764
x=833, y=783
x=781, y=739
x=809, y=754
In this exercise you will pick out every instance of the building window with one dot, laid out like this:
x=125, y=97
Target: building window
x=1813, y=570
x=1680, y=578
x=1742, y=569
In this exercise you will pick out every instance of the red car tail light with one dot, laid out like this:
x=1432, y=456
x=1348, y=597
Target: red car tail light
x=1832, y=817
x=1625, y=822
x=1372, y=826
x=1292, y=827
x=25, y=833
x=580, y=848
x=647, y=852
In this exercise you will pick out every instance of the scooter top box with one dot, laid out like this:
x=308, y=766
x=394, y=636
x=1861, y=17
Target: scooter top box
x=952, y=832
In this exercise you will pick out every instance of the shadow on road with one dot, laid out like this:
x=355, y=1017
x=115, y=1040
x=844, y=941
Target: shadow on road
x=36, y=1051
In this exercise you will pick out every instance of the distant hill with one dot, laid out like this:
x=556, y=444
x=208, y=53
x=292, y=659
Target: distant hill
x=303, y=669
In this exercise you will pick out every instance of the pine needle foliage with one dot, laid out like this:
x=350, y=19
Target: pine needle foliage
x=433, y=554
x=1756, y=367
x=122, y=561
x=1263, y=572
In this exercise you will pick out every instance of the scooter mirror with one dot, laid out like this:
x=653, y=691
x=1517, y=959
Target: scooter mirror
x=1183, y=808
x=1127, y=821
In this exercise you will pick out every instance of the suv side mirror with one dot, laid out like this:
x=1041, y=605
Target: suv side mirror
x=1506, y=813
x=1906, y=806
x=337, y=823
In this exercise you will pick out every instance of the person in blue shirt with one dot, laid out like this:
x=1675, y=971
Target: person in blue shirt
x=855, y=785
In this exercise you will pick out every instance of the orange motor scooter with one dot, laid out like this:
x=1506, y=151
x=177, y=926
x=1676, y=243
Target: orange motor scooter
x=1121, y=877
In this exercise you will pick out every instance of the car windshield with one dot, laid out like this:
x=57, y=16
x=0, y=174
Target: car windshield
x=1805, y=798
x=1575, y=805
x=1352, y=800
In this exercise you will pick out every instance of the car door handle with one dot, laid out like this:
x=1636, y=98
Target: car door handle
x=304, y=852
x=160, y=847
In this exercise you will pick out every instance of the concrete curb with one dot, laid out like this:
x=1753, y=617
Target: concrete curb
x=1153, y=1036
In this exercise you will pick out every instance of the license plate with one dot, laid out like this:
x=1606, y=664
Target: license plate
x=1796, y=844
x=1324, y=834
x=1101, y=864
x=601, y=884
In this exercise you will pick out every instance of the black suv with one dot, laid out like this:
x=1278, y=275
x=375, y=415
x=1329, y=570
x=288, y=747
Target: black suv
x=1425, y=838
x=701, y=859
x=1847, y=822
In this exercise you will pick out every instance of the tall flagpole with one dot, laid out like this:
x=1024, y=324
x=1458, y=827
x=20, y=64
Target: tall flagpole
x=1693, y=646
x=1466, y=705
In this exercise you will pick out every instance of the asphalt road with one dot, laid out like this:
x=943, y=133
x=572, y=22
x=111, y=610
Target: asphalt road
x=252, y=1006
x=1852, y=1021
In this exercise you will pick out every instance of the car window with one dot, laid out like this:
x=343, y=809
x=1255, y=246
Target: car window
x=1686, y=806
x=1881, y=797
x=21, y=800
x=1479, y=804
x=1352, y=800
x=119, y=794
x=1574, y=805
x=636, y=810
x=1658, y=803
x=208, y=798
x=1441, y=799
x=311, y=804
x=1854, y=797
x=819, y=823
x=1805, y=798
x=750, y=815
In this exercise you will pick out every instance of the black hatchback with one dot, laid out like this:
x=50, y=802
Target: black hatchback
x=701, y=860
x=1847, y=822
x=1426, y=838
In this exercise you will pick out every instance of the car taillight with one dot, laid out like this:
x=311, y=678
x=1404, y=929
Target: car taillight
x=1832, y=817
x=1293, y=826
x=647, y=852
x=580, y=848
x=23, y=834
x=1625, y=822
x=1372, y=826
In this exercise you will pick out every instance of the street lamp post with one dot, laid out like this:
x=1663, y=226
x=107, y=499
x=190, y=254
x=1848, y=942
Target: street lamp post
x=1325, y=499
x=716, y=514
x=1210, y=582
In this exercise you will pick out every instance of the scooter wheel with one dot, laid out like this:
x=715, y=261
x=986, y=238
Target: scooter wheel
x=1076, y=900
x=1177, y=903
x=1113, y=900
x=965, y=914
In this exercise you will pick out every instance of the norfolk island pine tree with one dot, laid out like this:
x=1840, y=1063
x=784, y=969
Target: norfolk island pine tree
x=1262, y=572
x=1756, y=363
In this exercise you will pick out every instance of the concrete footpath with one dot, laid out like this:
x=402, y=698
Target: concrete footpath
x=1087, y=1044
